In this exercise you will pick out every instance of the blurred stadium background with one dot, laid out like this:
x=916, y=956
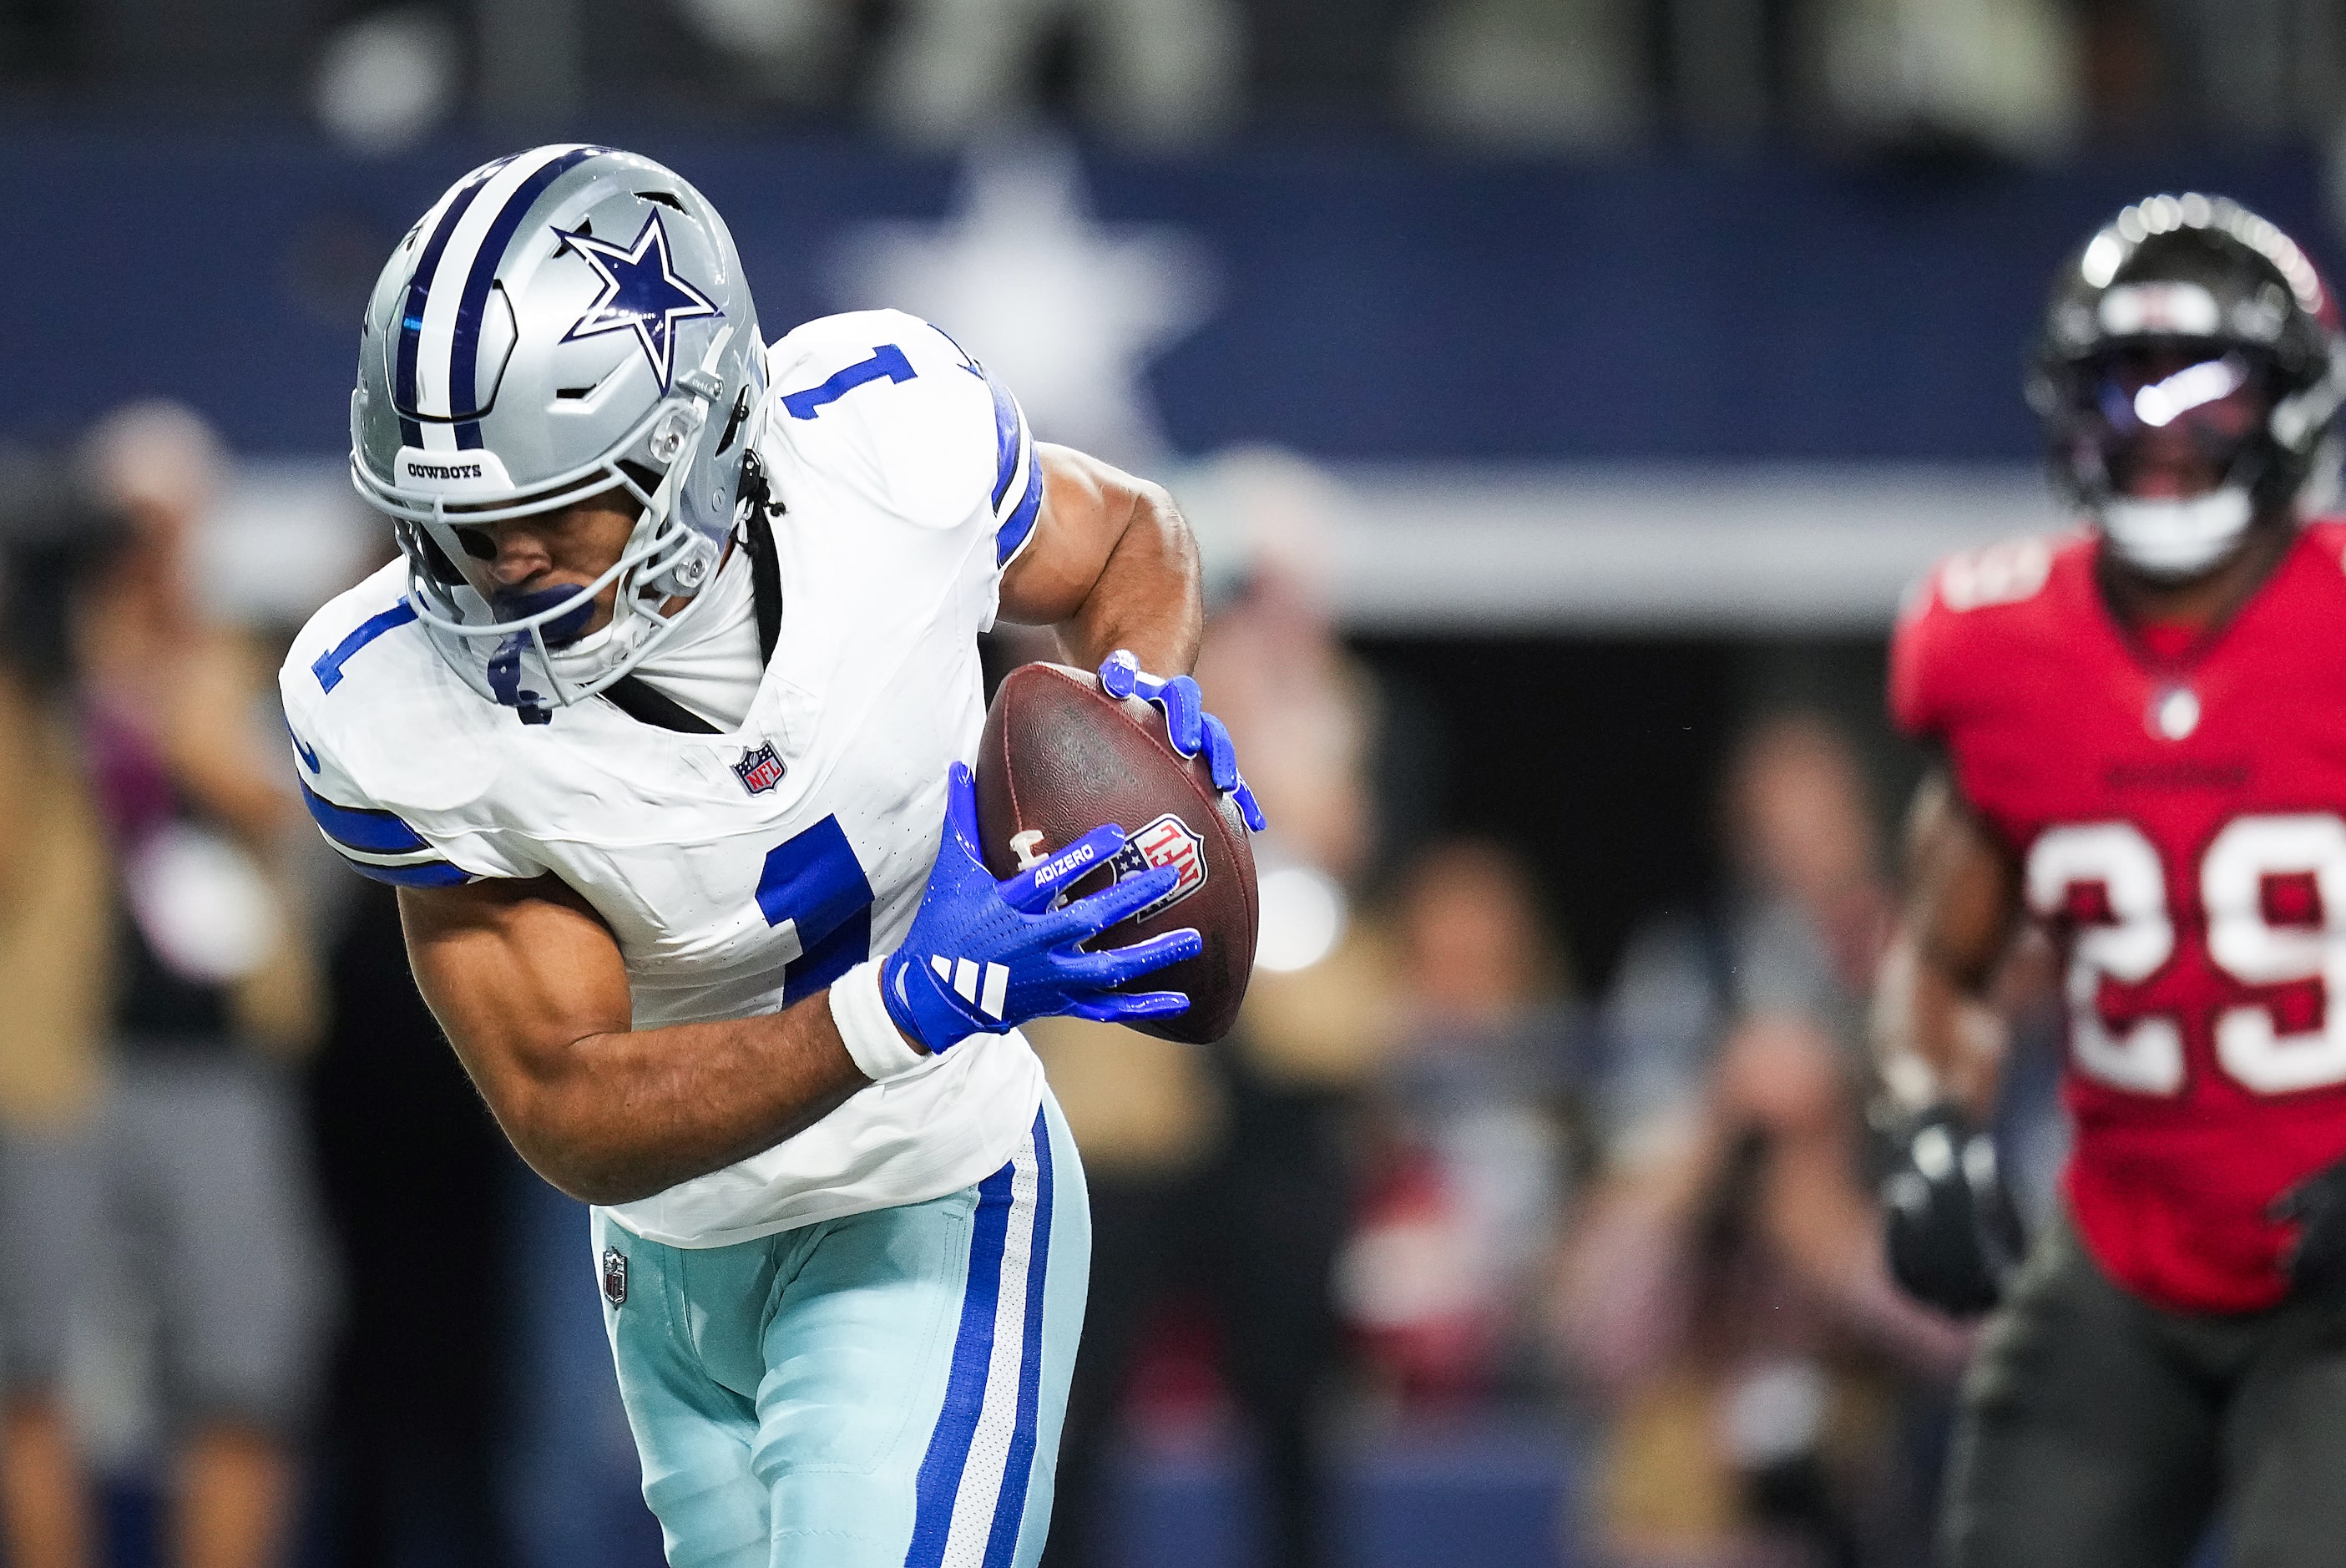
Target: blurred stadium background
x=1565, y=391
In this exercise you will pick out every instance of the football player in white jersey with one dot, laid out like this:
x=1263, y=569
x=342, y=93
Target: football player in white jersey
x=660, y=729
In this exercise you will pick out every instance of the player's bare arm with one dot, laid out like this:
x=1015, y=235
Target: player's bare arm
x=1938, y=1037
x=1952, y=1233
x=1112, y=566
x=530, y=987
x=1113, y=569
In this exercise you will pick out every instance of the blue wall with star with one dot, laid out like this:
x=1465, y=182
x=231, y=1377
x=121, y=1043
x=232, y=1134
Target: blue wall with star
x=1371, y=302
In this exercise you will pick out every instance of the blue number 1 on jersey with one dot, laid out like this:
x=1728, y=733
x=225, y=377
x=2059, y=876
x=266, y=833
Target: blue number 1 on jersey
x=887, y=360
x=816, y=883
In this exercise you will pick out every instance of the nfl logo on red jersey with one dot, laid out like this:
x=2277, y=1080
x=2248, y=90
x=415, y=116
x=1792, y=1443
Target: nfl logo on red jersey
x=1167, y=841
x=760, y=771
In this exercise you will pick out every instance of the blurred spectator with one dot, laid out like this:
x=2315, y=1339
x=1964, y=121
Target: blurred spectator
x=1931, y=76
x=1326, y=62
x=1154, y=71
x=2251, y=69
x=389, y=78
x=1724, y=1293
x=414, y=1175
x=1218, y=1176
x=189, y=55
x=1533, y=74
x=788, y=53
x=1470, y=1174
x=54, y=938
x=209, y=1210
x=2015, y=78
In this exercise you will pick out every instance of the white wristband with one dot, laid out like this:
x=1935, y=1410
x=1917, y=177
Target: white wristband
x=878, y=1051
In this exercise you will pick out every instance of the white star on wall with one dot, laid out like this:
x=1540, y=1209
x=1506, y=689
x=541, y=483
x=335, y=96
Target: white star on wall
x=1065, y=312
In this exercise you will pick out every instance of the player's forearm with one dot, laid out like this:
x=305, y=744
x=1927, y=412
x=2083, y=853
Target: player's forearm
x=1936, y=1034
x=1936, y=1037
x=529, y=986
x=614, y=1117
x=1148, y=597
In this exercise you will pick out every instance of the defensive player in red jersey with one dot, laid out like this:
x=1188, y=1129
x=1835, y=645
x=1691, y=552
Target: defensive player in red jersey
x=2144, y=730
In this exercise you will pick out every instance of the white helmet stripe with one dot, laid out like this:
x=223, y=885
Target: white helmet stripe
x=437, y=225
x=445, y=292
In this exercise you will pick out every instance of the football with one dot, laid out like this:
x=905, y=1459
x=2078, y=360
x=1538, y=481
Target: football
x=1059, y=757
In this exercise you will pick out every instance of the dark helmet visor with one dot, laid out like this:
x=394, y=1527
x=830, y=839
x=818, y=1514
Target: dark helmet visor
x=2148, y=407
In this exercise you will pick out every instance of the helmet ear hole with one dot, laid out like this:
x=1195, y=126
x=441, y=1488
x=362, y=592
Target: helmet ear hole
x=733, y=423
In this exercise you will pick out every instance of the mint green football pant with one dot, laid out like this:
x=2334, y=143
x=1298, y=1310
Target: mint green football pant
x=882, y=1389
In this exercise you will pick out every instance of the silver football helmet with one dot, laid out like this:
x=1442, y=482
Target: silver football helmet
x=562, y=322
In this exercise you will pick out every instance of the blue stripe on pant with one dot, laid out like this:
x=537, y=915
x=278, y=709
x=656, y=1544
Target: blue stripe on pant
x=882, y=1389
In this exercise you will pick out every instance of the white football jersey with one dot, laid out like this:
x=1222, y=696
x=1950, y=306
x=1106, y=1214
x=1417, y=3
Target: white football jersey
x=742, y=871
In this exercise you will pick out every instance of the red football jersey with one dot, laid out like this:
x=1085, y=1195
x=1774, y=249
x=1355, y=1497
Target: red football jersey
x=2181, y=824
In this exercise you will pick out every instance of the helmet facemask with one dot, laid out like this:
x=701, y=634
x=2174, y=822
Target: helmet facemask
x=533, y=644
x=2168, y=449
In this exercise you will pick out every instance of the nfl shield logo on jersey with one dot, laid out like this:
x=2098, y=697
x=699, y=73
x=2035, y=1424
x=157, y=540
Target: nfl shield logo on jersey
x=615, y=1276
x=1167, y=841
x=758, y=771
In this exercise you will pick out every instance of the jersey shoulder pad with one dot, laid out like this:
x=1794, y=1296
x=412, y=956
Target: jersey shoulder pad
x=891, y=408
x=393, y=755
x=1964, y=610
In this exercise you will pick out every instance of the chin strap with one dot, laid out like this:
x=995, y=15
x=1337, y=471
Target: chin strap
x=765, y=582
x=765, y=561
x=638, y=700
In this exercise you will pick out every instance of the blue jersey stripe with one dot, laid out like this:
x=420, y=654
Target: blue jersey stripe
x=329, y=667
x=948, y=1455
x=1010, y=1507
x=1008, y=426
x=373, y=832
x=1021, y=521
x=464, y=344
x=426, y=874
x=419, y=290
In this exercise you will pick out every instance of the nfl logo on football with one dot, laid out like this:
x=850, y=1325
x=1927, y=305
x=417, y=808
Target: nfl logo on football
x=1167, y=841
x=758, y=771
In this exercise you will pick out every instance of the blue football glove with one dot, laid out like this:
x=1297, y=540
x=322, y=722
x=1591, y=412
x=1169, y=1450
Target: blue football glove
x=984, y=956
x=1187, y=723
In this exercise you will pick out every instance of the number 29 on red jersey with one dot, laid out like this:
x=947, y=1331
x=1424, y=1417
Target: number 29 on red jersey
x=2248, y=938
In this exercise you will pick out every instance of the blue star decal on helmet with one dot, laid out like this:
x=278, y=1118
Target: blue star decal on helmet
x=641, y=294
